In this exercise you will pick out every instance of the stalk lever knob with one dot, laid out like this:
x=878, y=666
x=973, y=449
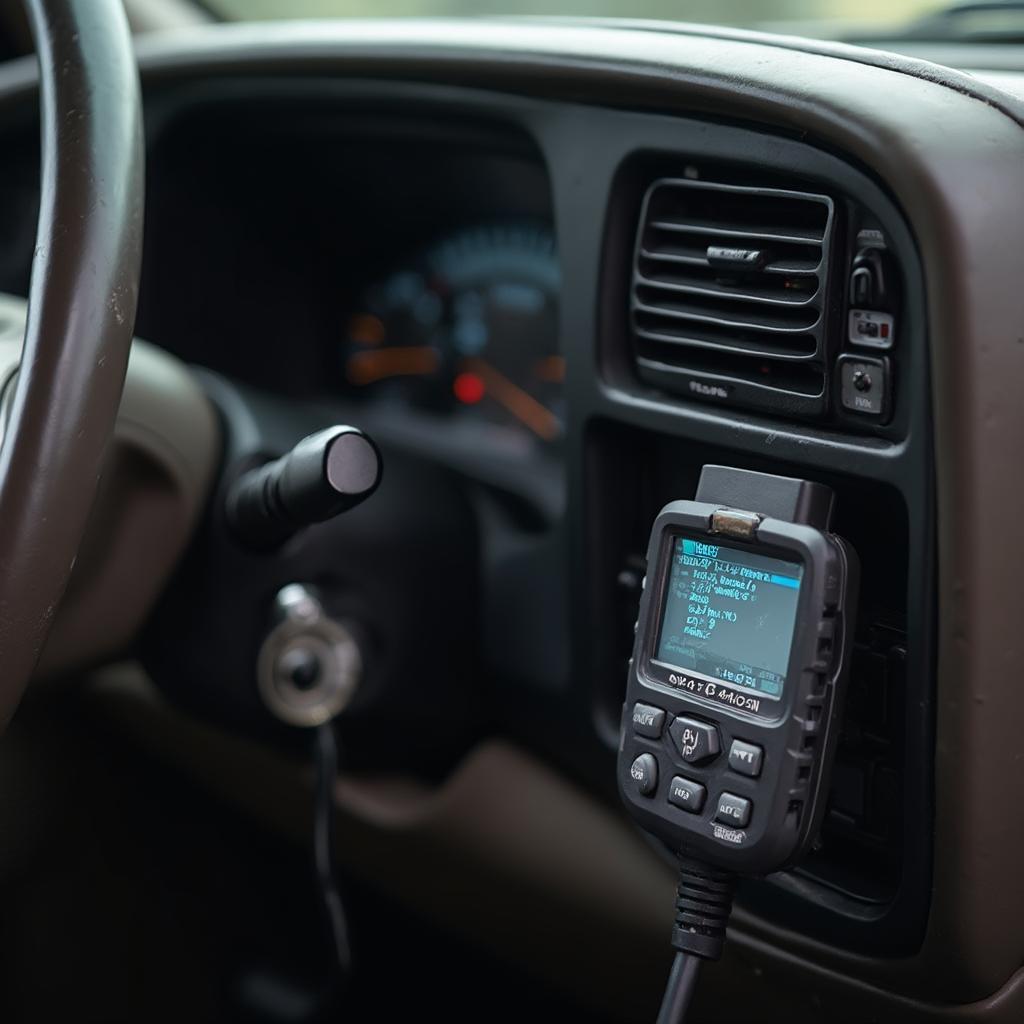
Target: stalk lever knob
x=325, y=474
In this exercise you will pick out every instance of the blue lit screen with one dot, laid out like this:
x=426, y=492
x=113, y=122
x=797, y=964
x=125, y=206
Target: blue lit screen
x=730, y=615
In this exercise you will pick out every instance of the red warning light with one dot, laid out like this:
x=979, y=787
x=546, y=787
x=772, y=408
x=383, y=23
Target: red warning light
x=468, y=388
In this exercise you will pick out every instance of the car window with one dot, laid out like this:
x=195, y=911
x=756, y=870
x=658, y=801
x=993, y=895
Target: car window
x=826, y=18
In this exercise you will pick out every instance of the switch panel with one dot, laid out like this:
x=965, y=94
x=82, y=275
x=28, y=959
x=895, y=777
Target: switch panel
x=864, y=385
x=870, y=329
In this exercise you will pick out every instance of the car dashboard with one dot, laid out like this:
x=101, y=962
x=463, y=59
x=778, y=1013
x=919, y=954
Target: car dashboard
x=508, y=250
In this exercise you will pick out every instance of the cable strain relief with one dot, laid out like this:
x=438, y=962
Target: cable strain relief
x=703, y=906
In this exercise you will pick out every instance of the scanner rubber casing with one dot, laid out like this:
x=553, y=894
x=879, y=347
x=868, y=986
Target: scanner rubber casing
x=798, y=733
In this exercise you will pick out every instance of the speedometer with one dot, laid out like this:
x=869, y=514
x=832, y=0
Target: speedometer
x=468, y=330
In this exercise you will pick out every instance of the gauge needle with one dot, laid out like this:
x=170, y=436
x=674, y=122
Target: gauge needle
x=541, y=420
x=399, y=361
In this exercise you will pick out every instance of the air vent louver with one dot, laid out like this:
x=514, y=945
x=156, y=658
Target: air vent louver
x=728, y=297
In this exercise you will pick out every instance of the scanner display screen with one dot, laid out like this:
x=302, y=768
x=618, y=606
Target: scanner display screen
x=730, y=615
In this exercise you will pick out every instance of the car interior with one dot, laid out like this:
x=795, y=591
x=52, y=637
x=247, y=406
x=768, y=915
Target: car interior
x=396, y=402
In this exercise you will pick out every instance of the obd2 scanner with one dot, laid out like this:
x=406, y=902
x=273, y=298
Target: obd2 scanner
x=735, y=691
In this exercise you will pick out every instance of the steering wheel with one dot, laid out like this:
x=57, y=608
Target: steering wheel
x=82, y=299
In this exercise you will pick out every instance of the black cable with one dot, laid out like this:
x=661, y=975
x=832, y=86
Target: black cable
x=325, y=759
x=274, y=996
x=679, y=991
x=703, y=906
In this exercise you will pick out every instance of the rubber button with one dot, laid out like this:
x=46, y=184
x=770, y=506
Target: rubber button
x=648, y=720
x=745, y=758
x=696, y=741
x=687, y=794
x=644, y=773
x=733, y=810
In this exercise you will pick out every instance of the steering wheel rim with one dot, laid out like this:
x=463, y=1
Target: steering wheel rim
x=81, y=314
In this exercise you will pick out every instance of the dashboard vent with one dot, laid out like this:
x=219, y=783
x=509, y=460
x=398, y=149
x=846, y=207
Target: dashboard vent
x=728, y=293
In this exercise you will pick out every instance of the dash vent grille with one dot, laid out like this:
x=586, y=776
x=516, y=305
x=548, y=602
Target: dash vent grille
x=728, y=293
